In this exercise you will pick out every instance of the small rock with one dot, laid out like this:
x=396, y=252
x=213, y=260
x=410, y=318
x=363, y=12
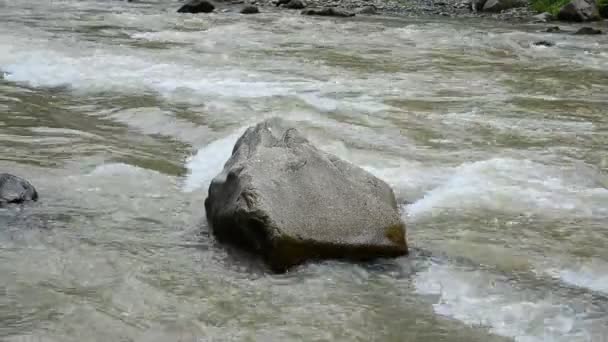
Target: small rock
x=588, y=31
x=328, y=12
x=197, y=6
x=579, y=11
x=295, y=4
x=553, y=29
x=250, y=10
x=544, y=43
x=282, y=2
x=16, y=190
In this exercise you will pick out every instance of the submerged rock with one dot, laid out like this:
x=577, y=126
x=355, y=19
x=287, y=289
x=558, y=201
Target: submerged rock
x=250, y=10
x=579, y=10
x=328, y=12
x=588, y=31
x=280, y=197
x=16, y=190
x=197, y=6
x=553, y=29
x=544, y=43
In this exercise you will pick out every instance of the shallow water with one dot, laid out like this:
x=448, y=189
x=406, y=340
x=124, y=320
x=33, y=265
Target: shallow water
x=122, y=113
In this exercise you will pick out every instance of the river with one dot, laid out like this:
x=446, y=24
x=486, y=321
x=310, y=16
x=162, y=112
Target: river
x=121, y=113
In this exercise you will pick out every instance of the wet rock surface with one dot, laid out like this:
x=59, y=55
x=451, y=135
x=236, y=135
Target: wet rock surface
x=197, y=6
x=250, y=10
x=579, y=11
x=15, y=190
x=545, y=43
x=280, y=197
x=588, y=31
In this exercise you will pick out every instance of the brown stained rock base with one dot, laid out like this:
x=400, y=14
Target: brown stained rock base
x=288, y=252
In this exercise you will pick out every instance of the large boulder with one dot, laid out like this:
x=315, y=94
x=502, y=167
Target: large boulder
x=328, y=12
x=197, y=6
x=579, y=10
x=15, y=190
x=501, y=5
x=280, y=197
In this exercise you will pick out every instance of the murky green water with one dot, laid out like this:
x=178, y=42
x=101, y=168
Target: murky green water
x=121, y=114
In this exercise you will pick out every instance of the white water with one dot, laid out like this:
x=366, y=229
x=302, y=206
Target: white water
x=121, y=114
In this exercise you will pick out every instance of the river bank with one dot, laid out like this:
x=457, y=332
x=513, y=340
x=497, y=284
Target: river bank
x=414, y=8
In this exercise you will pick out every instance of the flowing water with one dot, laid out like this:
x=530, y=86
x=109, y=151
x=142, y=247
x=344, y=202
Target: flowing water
x=121, y=113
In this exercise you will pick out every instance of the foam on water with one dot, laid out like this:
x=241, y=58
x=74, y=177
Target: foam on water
x=509, y=43
x=370, y=92
x=511, y=185
x=89, y=67
x=481, y=299
x=131, y=74
x=152, y=120
x=209, y=161
x=591, y=275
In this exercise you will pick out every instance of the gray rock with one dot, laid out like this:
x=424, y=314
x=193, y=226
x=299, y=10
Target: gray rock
x=197, y=6
x=295, y=4
x=16, y=190
x=369, y=10
x=280, y=197
x=477, y=5
x=501, y=5
x=579, y=11
x=328, y=12
x=588, y=31
x=553, y=29
x=250, y=10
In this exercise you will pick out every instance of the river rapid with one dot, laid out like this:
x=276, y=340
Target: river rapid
x=121, y=113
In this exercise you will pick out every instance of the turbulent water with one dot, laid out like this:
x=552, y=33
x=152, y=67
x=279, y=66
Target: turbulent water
x=121, y=113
